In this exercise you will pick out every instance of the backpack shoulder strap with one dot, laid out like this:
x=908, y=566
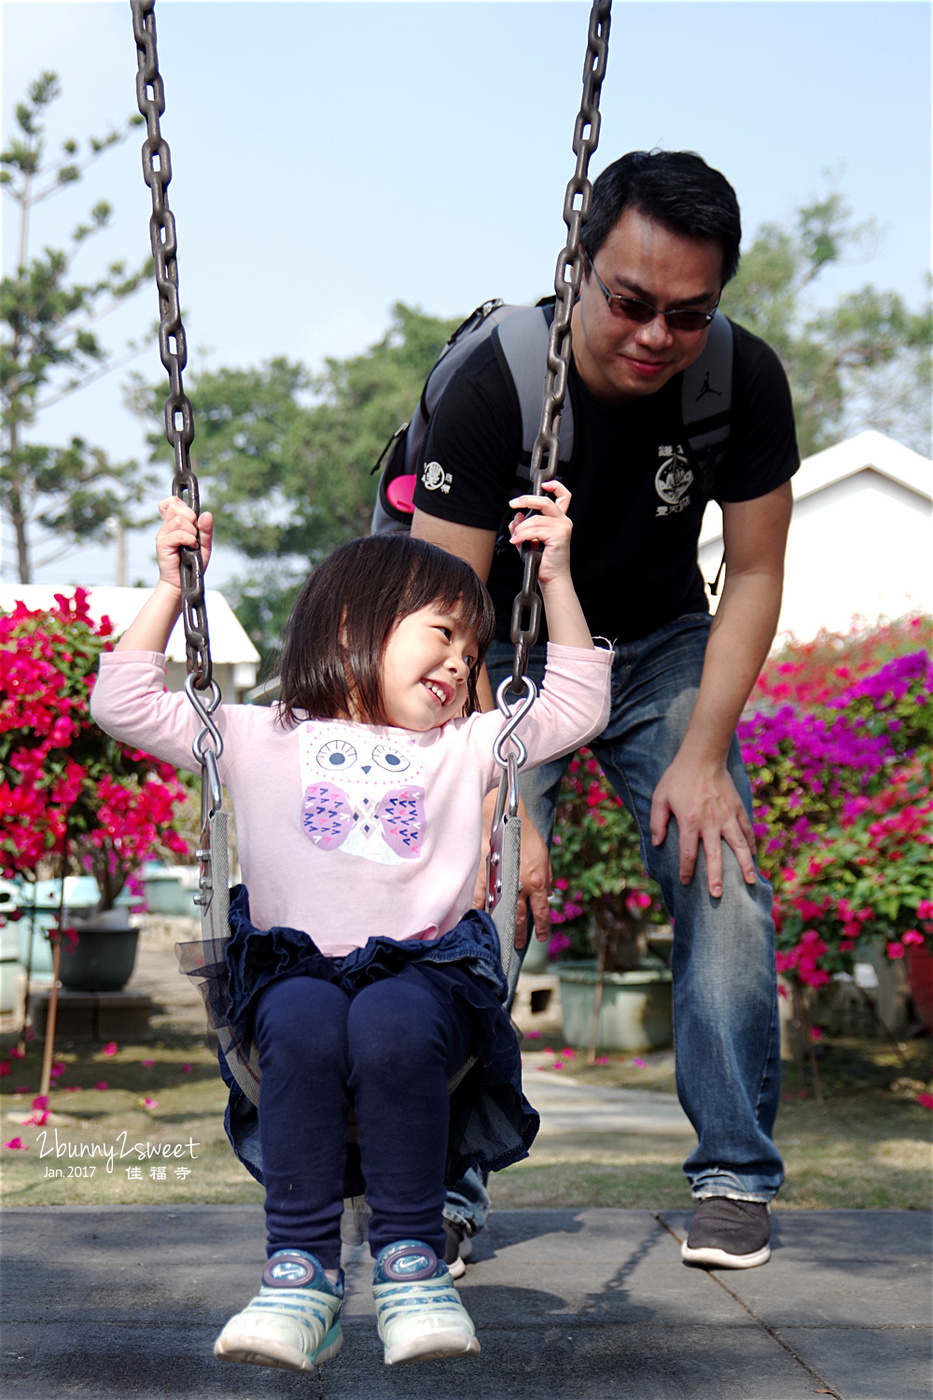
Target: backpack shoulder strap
x=706, y=392
x=523, y=340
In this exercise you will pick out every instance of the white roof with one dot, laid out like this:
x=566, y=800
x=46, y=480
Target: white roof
x=867, y=451
x=230, y=644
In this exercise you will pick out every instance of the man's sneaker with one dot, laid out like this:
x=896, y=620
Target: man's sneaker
x=418, y=1310
x=292, y=1323
x=728, y=1234
x=459, y=1248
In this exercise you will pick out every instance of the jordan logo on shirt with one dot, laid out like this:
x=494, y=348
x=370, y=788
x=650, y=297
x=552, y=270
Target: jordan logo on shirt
x=673, y=480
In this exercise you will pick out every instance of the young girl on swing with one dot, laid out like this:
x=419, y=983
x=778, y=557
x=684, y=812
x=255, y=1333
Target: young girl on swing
x=356, y=967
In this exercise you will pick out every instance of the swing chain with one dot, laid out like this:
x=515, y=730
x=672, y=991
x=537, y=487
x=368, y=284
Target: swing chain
x=526, y=610
x=179, y=417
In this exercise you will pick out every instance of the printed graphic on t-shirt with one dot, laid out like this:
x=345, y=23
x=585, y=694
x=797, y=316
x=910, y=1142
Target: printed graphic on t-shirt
x=362, y=791
x=673, y=480
x=434, y=478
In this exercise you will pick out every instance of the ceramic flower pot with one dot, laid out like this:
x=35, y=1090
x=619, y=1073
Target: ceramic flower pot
x=920, y=974
x=104, y=956
x=635, y=1013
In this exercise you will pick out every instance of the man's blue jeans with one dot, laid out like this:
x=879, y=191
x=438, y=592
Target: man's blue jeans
x=727, y=1043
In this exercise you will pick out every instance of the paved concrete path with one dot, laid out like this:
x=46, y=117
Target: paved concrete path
x=568, y=1107
x=119, y=1302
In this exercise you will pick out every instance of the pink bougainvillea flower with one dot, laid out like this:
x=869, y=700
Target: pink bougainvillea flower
x=110, y=1049
x=895, y=950
x=186, y=1069
x=72, y=1088
x=816, y=1033
x=568, y=1054
x=57, y=1071
x=602, y=1060
x=558, y=1064
x=41, y=1101
x=640, y=1064
x=35, y=1120
x=912, y=937
x=5, y=1067
x=925, y=1101
x=21, y=1089
x=101, y=1084
x=147, y=1064
x=16, y=1053
x=150, y=1103
x=16, y=1144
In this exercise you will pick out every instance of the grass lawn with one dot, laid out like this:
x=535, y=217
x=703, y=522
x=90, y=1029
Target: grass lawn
x=868, y=1145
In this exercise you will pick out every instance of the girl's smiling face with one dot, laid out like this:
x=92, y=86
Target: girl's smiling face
x=425, y=668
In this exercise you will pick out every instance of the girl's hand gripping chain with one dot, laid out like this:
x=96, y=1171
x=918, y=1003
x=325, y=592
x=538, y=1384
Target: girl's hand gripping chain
x=158, y=615
x=551, y=528
x=180, y=530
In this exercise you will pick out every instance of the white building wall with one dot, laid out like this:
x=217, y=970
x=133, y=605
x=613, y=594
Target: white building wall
x=859, y=548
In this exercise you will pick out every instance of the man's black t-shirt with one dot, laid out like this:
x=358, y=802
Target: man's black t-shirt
x=638, y=495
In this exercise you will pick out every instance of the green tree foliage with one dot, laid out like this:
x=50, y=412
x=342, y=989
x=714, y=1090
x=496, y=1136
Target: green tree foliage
x=863, y=362
x=286, y=457
x=49, y=349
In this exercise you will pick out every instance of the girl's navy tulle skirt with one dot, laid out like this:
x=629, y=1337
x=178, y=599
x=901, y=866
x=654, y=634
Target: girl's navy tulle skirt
x=491, y=1123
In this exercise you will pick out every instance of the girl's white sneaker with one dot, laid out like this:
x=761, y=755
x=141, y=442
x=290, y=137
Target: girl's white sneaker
x=292, y=1323
x=418, y=1311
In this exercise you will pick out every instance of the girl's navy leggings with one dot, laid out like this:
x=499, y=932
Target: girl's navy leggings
x=389, y=1050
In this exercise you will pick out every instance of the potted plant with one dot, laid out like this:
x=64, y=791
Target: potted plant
x=74, y=801
x=613, y=991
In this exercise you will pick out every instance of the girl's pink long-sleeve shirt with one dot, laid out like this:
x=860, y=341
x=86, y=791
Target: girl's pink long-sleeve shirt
x=348, y=831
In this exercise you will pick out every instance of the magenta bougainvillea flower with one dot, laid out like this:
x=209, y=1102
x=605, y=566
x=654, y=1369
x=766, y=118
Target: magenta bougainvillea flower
x=61, y=774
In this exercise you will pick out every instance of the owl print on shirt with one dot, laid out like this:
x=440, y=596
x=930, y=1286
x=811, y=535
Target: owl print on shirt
x=362, y=791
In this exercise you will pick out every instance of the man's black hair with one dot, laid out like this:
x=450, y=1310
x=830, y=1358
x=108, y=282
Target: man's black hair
x=675, y=189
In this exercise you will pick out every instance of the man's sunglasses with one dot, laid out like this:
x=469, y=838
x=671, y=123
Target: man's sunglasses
x=641, y=312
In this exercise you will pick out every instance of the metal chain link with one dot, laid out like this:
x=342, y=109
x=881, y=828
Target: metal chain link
x=526, y=610
x=179, y=418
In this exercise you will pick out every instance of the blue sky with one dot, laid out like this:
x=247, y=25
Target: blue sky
x=332, y=158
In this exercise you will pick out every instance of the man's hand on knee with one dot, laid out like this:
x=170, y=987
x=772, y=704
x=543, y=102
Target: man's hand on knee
x=703, y=799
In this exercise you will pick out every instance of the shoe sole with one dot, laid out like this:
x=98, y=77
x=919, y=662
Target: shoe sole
x=709, y=1258
x=437, y=1346
x=262, y=1351
x=458, y=1268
